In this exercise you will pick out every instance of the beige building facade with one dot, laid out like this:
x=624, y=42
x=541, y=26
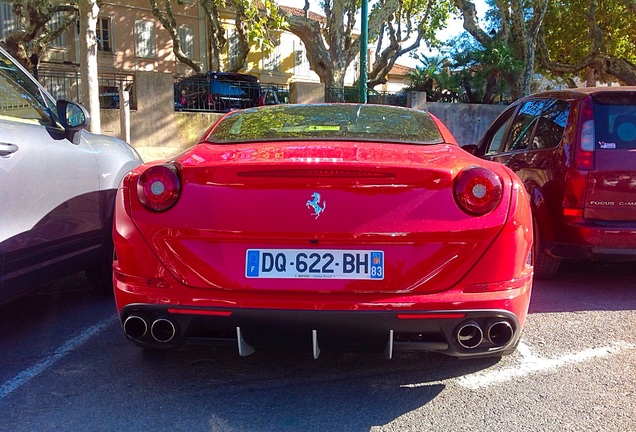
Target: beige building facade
x=131, y=39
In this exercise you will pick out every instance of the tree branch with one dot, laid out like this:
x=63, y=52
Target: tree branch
x=169, y=22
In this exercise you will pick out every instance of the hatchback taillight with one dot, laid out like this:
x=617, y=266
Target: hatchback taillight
x=584, y=157
x=158, y=187
x=478, y=190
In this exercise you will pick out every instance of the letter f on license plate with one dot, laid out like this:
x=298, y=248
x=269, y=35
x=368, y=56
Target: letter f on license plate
x=314, y=263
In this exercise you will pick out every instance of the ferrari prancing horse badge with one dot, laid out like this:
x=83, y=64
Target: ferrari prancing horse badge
x=314, y=204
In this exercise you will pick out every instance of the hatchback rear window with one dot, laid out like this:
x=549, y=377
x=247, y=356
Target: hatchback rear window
x=349, y=122
x=615, y=120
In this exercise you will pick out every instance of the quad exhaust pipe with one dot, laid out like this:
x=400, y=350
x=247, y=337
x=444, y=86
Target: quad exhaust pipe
x=162, y=329
x=135, y=327
x=500, y=333
x=469, y=334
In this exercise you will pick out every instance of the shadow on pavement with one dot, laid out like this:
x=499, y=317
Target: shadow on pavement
x=586, y=286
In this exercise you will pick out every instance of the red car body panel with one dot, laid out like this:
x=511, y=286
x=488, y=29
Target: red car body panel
x=440, y=263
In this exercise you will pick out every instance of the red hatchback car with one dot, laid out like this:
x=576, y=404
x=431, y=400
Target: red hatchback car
x=333, y=227
x=575, y=151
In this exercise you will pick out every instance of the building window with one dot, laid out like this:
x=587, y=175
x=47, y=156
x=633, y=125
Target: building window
x=145, y=39
x=56, y=21
x=187, y=41
x=271, y=57
x=7, y=19
x=301, y=63
x=103, y=35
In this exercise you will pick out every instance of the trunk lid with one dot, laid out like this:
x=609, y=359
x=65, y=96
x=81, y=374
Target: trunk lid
x=330, y=206
x=611, y=186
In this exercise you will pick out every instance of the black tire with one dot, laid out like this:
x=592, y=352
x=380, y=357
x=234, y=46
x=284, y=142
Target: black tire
x=545, y=266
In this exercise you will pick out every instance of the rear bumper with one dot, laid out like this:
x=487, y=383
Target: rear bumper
x=594, y=241
x=496, y=290
x=570, y=251
x=460, y=333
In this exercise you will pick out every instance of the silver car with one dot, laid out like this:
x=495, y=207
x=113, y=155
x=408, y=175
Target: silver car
x=57, y=187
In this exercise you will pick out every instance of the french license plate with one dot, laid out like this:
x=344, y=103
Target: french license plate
x=317, y=264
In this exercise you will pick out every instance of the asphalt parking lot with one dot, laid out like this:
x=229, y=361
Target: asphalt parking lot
x=65, y=365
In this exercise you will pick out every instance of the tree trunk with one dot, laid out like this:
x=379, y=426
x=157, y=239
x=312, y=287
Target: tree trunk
x=590, y=75
x=88, y=61
x=237, y=62
x=528, y=69
x=29, y=42
x=216, y=35
x=317, y=54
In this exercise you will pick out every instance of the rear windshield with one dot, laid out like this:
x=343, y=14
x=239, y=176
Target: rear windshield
x=350, y=122
x=615, y=120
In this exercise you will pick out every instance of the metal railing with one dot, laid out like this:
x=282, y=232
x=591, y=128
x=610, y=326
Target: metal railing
x=61, y=84
x=220, y=95
x=280, y=91
x=109, y=85
x=352, y=94
x=342, y=94
x=65, y=84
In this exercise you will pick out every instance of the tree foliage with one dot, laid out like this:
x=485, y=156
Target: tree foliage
x=35, y=31
x=517, y=24
x=412, y=22
x=472, y=73
x=565, y=37
x=397, y=27
x=253, y=24
x=601, y=35
x=488, y=72
x=434, y=77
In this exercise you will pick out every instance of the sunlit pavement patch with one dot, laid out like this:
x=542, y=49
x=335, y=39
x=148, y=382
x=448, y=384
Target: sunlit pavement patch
x=532, y=363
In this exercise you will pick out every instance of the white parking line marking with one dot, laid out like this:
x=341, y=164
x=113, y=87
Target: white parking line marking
x=30, y=373
x=532, y=363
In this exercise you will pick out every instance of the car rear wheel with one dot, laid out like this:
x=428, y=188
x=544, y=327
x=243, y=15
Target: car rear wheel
x=545, y=266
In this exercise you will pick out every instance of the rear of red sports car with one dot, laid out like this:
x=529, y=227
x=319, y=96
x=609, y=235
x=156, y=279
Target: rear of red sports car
x=327, y=227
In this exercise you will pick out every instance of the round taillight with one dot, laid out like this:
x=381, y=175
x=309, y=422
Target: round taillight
x=158, y=187
x=478, y=190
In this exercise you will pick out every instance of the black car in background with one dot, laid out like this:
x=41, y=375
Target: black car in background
x=218, y=92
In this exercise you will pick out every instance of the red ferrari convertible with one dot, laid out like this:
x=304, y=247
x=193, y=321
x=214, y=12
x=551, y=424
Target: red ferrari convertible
x=325, y=227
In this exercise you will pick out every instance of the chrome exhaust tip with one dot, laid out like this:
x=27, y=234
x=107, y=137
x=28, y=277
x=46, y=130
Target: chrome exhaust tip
x=469, y=335
x=135, y=327
x=163, y=330
x=500, y=333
